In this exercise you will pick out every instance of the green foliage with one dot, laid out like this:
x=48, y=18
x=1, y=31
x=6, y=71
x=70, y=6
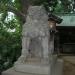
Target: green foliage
x=58, y=6
x=10, y=44
x=17, y=4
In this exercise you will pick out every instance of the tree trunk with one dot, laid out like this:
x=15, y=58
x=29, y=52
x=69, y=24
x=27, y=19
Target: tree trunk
x=24, y=5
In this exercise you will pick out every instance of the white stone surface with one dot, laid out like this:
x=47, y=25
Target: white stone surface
x=58, y=70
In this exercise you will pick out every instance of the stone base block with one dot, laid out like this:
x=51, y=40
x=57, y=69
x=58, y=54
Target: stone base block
x=40, y=69
x=34, y=69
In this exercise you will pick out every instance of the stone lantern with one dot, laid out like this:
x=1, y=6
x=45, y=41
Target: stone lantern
x=53, y=20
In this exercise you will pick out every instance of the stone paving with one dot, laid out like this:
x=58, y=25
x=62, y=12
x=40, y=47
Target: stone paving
x=69, y=65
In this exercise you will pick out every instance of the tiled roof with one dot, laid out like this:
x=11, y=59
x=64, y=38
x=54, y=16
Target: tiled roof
x=68, y=20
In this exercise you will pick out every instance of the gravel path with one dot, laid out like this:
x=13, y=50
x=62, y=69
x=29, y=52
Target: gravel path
x=69, y=65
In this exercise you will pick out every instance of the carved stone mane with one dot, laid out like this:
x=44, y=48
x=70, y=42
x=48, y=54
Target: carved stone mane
x=36, y=22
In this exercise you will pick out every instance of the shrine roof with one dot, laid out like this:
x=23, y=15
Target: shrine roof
x=68, y=19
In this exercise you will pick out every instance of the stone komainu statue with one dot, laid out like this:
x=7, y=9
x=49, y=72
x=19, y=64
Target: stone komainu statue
x=35, y=40
x=36, y=28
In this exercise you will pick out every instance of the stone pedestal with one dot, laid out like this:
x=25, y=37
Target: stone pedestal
x=43, y=69
x=23, y=69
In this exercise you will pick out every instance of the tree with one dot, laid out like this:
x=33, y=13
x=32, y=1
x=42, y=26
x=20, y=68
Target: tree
x=19, y=7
